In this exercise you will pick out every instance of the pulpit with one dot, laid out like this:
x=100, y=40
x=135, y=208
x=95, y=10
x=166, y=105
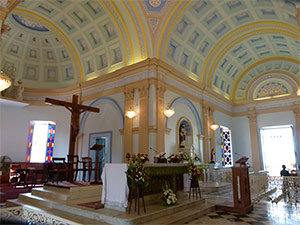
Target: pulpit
x=97, y=148
x=241, y=190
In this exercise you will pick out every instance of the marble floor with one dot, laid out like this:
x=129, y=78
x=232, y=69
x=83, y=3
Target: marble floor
x=263, y=213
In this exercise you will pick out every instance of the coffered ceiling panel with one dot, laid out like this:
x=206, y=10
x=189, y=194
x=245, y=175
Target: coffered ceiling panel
x=224, y=45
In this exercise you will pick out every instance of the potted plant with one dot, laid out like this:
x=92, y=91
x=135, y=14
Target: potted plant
x=168, y=197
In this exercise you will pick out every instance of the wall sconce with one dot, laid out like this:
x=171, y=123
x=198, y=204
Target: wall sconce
x=298, y=92
x=130, y=113
x=169, y=111
x=214, y=126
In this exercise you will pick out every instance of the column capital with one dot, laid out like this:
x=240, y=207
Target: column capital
x=252, y=115
x=160, y=89
x=144, y=91
x=129, y=93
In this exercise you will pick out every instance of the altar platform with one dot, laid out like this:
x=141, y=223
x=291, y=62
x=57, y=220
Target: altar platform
x=74, y=206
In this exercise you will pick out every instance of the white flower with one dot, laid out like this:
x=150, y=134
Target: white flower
x=168, y=202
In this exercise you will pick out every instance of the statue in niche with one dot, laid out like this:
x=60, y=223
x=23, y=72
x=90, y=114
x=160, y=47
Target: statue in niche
x=212, y=156
x=182, y=135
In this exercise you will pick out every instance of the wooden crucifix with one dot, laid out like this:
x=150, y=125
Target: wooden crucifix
x=75, y=110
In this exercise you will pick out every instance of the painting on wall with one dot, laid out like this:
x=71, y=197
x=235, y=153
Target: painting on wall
x=184, y=134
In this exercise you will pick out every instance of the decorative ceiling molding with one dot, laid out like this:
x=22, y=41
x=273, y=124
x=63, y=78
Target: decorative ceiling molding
x=281, y=76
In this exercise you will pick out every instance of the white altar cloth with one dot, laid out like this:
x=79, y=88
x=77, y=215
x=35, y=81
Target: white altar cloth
x=115, y=189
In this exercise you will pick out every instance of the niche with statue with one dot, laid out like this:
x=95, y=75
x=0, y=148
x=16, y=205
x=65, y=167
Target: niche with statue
x=185, y=135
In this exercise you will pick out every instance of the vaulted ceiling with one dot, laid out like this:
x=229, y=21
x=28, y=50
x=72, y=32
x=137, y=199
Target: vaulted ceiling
x=242, y=49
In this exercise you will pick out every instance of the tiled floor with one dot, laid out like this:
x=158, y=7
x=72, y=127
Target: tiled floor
x=263, y=213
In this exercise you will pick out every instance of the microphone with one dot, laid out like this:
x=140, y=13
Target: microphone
x=238, y=154
x=154, y=150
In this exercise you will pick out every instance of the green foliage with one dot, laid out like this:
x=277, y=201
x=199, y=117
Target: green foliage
x=168, y=197
x=137, y=174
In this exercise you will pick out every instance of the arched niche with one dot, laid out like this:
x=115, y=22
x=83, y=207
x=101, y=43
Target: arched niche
x=184, y=135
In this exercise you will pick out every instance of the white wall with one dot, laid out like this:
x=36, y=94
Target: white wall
x=223, y=120
x=181, y=110
x=15, y=123
x=109, y=119
x=241, y=140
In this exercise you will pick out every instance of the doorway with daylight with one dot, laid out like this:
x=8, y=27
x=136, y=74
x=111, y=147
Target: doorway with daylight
x=278, y=148
x=100, y=138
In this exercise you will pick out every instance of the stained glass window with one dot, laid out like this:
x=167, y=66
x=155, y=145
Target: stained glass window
x=50, y=143
x=226, y=148
x=29, y=145
x=40, y=141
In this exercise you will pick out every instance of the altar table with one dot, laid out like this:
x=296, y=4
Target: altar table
x=115, y=189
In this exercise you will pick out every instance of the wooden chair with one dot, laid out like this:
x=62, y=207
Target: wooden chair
x=74, y=161
x=60, y=171
x=58, y=160
x=18, y=176
x=86, y=166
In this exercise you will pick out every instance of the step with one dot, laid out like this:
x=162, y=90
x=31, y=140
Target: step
x=53, y=194
x=157, y=210
x=54, y=216
x=185, y=215
x=74, y=190
x=33, y=200
x=63, y=206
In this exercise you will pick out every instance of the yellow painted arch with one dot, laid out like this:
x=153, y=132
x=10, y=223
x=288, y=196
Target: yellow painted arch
x=120, y=31
x=267, y=27
x=265, y=73
x=143, y=32
x=59, y=33
x=162, y=33
x=273, y=58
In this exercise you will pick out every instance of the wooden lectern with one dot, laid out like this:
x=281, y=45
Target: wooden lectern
x=241, y=190
x=97, y=148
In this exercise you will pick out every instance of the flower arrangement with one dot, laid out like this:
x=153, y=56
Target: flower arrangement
x=168, y=197
x=137, y=174
x=184, y=156
x=197, y=158
x=139, y=157
x=174, y=158
x=143, y=157
x=194, y=172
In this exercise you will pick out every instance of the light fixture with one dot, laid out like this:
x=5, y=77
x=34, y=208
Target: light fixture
x=5, y=81
x=214, y=126
x=298, y=92
x=130, y=113
x=169, y=111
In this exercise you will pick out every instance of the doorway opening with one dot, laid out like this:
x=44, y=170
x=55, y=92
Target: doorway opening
x=278, y=148
x=101, y=138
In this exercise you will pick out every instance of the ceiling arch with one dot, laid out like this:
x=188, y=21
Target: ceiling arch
x=224, y=45
x=282, y=64
x=271, y=84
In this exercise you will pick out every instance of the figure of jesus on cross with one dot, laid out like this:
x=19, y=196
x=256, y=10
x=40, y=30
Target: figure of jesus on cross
x=75, y=110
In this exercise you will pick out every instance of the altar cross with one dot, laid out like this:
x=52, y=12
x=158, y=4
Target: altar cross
x=75, y=110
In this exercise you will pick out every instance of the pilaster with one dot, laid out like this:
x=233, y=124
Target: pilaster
x=254, y=140
x=211, y=132
x=160, y=117
x=144, y=119
x=205, y=133
x=297, y=118
x=128, y=123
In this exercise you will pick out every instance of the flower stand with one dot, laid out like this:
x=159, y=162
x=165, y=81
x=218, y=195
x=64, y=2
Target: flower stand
x=195, y=188
x=136, y=193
